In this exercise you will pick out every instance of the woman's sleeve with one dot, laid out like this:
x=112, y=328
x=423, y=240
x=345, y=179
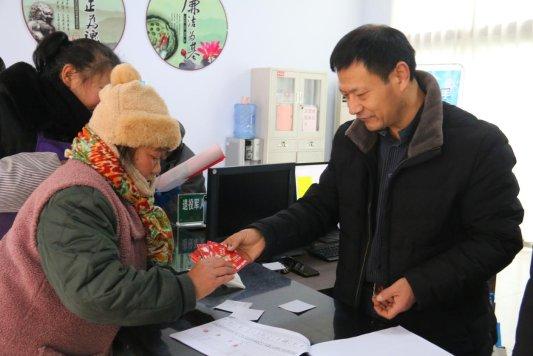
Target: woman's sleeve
x=78, y=245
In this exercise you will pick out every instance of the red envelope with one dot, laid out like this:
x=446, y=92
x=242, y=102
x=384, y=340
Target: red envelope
x=218, y=249
x=211, y=248
x=237, y=260
x=204, y=250
x=195, y=256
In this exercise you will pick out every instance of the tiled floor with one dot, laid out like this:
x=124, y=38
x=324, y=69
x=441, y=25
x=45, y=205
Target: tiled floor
x=510, y=285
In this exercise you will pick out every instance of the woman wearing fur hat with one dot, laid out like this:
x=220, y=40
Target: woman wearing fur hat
x=74, y=266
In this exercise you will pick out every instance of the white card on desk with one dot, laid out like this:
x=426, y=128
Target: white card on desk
x=233, y=305
x=297, y=306
x=248, y=314
x=274, y=266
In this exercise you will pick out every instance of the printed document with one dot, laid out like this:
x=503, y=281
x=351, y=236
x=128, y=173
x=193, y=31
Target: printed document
x=239, y=337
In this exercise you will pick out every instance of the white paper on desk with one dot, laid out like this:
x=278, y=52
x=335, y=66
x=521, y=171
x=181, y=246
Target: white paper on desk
x=233, y=305
x=274, y=266
x=237, y=337
x=297, y=306
x=393, y=341
x=248, y=314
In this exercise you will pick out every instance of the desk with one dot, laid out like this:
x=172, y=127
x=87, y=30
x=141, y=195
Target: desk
x=266, y=290
x=327, y=270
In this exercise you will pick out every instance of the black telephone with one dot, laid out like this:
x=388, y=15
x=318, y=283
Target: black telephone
x=298, y=267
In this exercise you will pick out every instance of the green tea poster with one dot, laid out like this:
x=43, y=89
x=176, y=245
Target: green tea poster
x=100, y=20
x=187, y=34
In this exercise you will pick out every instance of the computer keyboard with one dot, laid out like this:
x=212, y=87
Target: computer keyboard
x=331, y=236
x=325, y=251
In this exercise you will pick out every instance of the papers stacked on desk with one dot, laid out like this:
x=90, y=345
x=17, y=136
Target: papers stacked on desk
x=231, y=336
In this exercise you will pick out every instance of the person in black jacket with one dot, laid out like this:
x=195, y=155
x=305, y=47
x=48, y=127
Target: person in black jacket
x=424, y=195
x=524, y=329
x=43, y=108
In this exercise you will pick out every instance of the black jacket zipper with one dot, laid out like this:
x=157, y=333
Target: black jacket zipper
x=369, y=216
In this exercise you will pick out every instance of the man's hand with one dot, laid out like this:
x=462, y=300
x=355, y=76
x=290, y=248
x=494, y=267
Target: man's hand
x=248, y=242
x=396, y=299
x=210, y=273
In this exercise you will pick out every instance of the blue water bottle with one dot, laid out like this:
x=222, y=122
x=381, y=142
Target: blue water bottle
x=244, y=119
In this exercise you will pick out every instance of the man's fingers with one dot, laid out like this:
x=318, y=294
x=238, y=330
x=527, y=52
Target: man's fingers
x=394, y=300
x=231, y=243
x=245, y=255
x=385, y=313
x=388, y=311
x=382, y=305
x=385, y=294
x=392, y=312
x=380, y=311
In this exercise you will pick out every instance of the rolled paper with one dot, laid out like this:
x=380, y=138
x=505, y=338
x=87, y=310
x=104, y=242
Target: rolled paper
x=188, y=169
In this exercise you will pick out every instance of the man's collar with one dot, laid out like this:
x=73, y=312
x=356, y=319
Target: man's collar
x=428, y=133
x=407, y=132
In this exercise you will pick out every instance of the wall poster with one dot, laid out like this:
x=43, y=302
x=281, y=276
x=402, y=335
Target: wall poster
x=449, y=77
x=100, y=20
x=187, y=34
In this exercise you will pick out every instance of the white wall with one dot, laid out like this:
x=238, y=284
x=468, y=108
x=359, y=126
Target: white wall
x=376, y=11
x=274, y=33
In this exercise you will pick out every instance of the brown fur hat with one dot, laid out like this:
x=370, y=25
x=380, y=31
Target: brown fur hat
x=132, y=114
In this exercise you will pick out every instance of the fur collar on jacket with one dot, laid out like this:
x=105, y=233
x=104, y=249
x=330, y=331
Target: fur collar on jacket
x=43, y=105
x=428, y=134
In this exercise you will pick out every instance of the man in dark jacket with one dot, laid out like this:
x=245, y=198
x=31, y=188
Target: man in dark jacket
x=424, y=194
x=524, y=329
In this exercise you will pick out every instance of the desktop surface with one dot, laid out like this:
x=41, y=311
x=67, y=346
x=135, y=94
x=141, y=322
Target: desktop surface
x=266, y=290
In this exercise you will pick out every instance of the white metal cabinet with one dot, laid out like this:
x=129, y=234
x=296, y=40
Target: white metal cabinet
x=291, y=114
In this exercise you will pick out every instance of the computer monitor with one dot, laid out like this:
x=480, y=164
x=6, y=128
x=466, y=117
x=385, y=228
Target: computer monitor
x=238, y=196
x=307, y=174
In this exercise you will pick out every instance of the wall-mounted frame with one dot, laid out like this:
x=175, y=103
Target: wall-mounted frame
x=187, y=34
x=450, y=78
x=100, y=20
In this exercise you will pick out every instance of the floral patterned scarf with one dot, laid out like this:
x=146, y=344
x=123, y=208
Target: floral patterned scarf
x=90, y=149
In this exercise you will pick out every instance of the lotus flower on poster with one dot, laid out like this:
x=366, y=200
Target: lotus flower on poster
x=209, y=50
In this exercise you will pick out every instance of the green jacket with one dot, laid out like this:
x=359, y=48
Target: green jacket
x=78, y=245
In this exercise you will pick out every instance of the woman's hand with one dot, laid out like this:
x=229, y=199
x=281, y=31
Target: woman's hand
x=210, y=273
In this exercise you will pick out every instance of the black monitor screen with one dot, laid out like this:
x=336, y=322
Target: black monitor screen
x=238, y=196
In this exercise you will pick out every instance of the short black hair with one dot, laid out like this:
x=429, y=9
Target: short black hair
x=378, y=47
x=86, y=55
